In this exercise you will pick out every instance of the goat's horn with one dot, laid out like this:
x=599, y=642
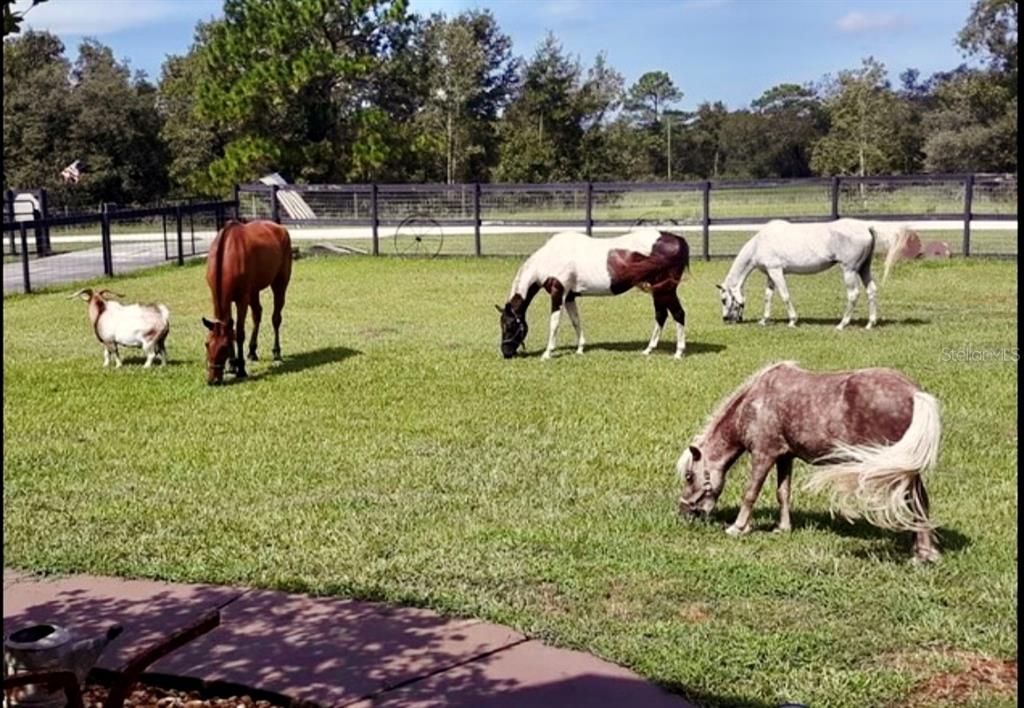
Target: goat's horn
x=83, y=291
x=104, y=290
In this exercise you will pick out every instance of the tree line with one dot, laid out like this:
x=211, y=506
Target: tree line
x=332, y=91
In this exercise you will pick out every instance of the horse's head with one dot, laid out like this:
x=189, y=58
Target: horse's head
x=218, y=349
x=513, y=330
x=702, y=482
x=732, y=303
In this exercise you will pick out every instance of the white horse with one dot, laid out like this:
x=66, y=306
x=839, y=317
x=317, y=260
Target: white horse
x=571, y=264
x=782, y=247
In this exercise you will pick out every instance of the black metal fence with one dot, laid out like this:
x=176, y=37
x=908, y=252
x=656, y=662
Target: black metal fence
x=501, y=218
x=42, y=250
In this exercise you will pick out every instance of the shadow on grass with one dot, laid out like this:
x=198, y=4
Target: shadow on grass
x=692, y=348
x=888, y=545
x=295, y=363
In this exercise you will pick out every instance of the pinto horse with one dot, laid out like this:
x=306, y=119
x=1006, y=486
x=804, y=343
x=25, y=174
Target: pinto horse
x=244, y=259
x=571, y=264
x=870, y=432
x=782, y=247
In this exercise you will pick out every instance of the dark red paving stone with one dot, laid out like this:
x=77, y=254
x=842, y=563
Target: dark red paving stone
x=526, y=675
x=328, y=650
x=88, y=605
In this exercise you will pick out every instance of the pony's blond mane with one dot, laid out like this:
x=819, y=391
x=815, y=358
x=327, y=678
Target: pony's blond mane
x=726, y=403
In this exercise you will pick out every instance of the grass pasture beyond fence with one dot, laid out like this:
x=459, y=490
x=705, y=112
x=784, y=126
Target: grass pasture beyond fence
x=395, y=456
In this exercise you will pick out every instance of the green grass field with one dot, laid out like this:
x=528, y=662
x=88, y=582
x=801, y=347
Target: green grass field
x=395, y=456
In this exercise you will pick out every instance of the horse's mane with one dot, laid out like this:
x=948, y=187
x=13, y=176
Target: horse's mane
x=728, y=402
x=218, y=256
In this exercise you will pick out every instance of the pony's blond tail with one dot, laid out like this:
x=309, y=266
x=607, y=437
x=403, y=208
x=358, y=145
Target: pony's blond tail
x=896, y=246
x=882, y=483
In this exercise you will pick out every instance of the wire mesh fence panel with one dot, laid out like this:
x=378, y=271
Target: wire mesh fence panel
x=441, y=202
x=622, y=204
x=986, y=242
x=533, y=204
x=76, y=254
x=995, y=194
x=770, y=201
x=339, y=204
x=722, y=243
x=903, y=197
x=253, y=204
x=136, y=242
x=199, y=229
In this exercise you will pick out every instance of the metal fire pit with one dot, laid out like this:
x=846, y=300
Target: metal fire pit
x=127, y=675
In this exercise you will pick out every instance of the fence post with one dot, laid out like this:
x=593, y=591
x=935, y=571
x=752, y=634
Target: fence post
x=192, y=226
x=44, y=207
x=275, y=210
x=835, y=197
x=968, y=200
x=37, y=231
x=9, y=207
x=374, y=220
x=238, y=203
x=590, y=208
x=108, y=251
x=163, y=219
x=476, y=219
x=181, y=244
x=24, y=257
x=706, y=220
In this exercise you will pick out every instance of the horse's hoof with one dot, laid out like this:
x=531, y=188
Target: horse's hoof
x=840, y=327
x=647, y=352
x=679, y=355
x=762, y=322
x=253, y=356
x=241, y=374
x=792, y=323
x=870, y=325
x=779, y=528
x=922, y=556
x=579, y=352
x=277, y=355
x=735, y=530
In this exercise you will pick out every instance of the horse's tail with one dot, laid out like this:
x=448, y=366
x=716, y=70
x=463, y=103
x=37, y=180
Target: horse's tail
x=883, y=483
x=896, y=246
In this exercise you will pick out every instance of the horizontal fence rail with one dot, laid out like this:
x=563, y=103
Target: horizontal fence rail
x=43, y=248
x=515, y=218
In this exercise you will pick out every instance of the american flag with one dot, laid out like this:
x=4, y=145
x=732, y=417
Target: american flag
x=71, y=173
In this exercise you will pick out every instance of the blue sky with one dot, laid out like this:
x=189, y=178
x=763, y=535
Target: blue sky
x=728, y=50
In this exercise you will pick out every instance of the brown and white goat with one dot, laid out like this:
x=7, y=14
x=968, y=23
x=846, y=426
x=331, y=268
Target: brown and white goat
x=135, y=325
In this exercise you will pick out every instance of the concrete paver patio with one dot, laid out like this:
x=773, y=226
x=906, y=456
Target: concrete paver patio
x=327, y=651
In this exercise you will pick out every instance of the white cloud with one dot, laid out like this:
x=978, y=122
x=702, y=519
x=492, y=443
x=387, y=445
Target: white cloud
x=853, y=22
x=99, y=17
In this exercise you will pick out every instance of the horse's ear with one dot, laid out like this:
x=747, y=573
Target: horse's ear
x=719, y=286
x=499, y=309
x=695, y=453
x=207, y=324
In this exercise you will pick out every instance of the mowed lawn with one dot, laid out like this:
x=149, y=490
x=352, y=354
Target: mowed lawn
x=395, y=456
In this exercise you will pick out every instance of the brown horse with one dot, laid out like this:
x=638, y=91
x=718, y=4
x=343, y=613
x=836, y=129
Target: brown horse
x=244, y=259
x=871, y=431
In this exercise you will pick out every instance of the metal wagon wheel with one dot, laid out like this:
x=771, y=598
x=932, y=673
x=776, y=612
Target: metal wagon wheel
x=418, y=236
x=644, y=221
